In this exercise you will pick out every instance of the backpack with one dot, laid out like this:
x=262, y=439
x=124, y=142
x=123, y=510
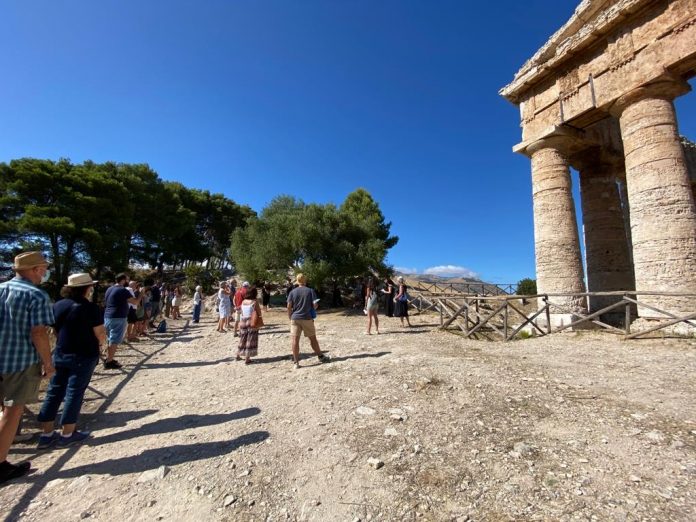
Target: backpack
x=162, y=327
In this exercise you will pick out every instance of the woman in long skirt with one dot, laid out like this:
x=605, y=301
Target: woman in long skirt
x=388, y=290
x=224, y=306
x=248, y=335
x=401, y=302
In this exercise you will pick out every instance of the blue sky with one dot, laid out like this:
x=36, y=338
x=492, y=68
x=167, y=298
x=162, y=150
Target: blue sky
x=314, y=98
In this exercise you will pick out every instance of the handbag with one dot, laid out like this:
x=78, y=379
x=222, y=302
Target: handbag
x=256, y=319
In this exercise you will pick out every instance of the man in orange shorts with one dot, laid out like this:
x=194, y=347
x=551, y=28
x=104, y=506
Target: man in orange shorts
x=302, y=301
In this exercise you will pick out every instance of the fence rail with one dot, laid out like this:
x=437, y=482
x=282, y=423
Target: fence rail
x=503, y=317
x=484, y=289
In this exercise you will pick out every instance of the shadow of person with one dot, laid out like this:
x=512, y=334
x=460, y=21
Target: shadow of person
x=173, y=424
x=155, y=366
x=261, y=331
x=168, y=455
x=274, y=359
x=114, y=419
x=367, y=355
x=411, y=331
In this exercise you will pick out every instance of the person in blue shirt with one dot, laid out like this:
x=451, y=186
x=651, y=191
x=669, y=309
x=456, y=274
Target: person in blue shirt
x=79, y=332
x=25, y=314
x=116, y=303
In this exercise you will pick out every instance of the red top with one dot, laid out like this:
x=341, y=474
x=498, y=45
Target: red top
x=239, y=296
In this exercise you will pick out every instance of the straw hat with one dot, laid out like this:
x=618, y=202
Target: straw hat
x=78, y=280
x=29, y=260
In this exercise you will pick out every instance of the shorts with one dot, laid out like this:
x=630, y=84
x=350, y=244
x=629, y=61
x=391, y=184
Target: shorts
x=237, y=315
x=298, y=326
x=132, y=316
x=115, y=329
x=22, y=387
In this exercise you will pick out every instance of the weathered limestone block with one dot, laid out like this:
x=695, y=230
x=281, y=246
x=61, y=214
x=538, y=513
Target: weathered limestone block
x=557, y=246
x=663, y=216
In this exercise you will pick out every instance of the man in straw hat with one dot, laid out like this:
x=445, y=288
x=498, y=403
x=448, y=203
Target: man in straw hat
x=302, y=301
x=25, y=312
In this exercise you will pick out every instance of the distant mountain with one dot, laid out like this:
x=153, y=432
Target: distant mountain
x=467, y=285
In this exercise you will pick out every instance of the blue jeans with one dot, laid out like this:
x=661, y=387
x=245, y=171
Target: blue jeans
x=196, y=313
x=70, y=381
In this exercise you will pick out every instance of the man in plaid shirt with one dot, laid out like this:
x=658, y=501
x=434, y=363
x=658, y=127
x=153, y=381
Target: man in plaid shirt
x=25, y=313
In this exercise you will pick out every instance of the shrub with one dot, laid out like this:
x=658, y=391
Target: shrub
x=527, y=286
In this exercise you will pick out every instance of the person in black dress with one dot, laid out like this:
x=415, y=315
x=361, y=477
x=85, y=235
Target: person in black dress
x=265, y=296
x=388, y=290
x=401, y=302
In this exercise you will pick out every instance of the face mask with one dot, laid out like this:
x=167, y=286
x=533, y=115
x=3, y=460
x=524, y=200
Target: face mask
x=46, y=276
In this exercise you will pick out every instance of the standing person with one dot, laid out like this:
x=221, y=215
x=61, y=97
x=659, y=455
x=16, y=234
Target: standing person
x=239, y=296
x=224, y=306
x=388, y=290
x=266, y=295
x=116, y=303
x=176, y=303
x=132, y=319
x=248, y=332
x=197, y=303
x=401, y=302
x=140, y=310
x=372, y=306
x=25, y=314
x=79, y=331
x=233, y=292
x=155, y=298
x=288, y=288
x=168, y=297
x=301, y=302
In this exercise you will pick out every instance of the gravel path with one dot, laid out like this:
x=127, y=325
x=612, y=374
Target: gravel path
x=413, y=424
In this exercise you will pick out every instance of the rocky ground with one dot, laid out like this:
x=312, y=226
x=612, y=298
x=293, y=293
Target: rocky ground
x=413, y=424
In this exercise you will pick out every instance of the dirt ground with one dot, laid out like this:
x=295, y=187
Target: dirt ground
x=577, y=426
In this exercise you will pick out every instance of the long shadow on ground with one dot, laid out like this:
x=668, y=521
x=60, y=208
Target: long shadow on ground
x=173, y=424
x=169, y=366
x=53, y=469
x=168, y=455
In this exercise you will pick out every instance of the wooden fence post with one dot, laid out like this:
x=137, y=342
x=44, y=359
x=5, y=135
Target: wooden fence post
x=627, y=324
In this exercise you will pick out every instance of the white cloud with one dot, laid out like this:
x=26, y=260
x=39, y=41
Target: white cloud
x=450, y=271
x=405, y=270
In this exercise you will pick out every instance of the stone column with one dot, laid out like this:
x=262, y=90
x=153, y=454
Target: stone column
x=663, y=217
x=607, y=252
x=556, y=242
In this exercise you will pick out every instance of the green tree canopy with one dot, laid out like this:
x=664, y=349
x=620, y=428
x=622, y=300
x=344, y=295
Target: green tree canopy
x=107, y=216
x=322, y=241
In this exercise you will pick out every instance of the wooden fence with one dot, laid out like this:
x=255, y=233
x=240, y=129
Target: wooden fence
x=505, y=317
x=485, y=289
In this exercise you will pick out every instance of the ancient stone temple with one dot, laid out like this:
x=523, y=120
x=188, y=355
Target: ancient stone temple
x=598, y=97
